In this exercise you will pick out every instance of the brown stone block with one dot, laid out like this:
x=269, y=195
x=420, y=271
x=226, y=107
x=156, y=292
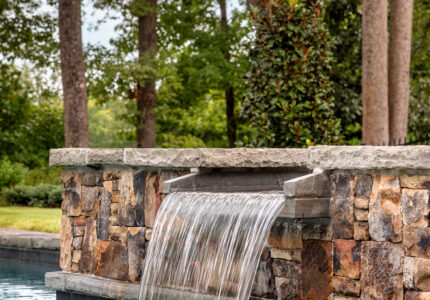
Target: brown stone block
x=113, y=220
x=153, y=196
x=361, y=231
x=115, y=197
x=416, y=241
x=321, y=232
x=93, y=178
x=79, y=221
x=385, y=217
x=287, y=254
x=127, y=207
x=77, y=242
x=422, y=274
x=360, y=202
x=111, y=175
x=148, y=234
x=76, y=258
x=114, y=209
x=381, y=270
x=316, y=270
x=415, y=181
x=115, y=185
x=71, y=183
x=91, y=197
x=414, y=295
x=363, y=185
x=78, y=231
x=285, y=235
x=342, y=206
x=66, y=241
x=103, y=221
x=136, y=252
x=346, y=258
x=75, y=268
x=264, y=284
x=118, y=233
x=286, y=288
x=89, y=248
x=408, y=272
x=285, y=268
x=361, y=214
x=346, y=286
x=415, y=207
x=342, y=297
x=112, y=260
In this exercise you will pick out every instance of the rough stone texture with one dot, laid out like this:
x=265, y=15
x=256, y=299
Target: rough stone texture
x=110, y=175
x=285, y=268
x=91, y=197
x=114, y=209
x=264, y=284
x=68, y=157
x=316, y=270
x=71, y=183
x=385, y=218
x=342, y=206
x=361, y=231
x=315, y=185
x=103, y=220
x=285, y=235
x=75, y=268
x=415, y=181
x=136, y=252
x=76, y=257
x=148, y=234
x=127, y=205
x=415, y=207
x=89, y=248
x=66, y=243
x=29, y=239
x=93, y=178
x=288, y=254
x=286, y=288
x=360, y=202
x=416, y=241
x=77, y=242
x=341, y=297
x=314, y=231
x=346, y=258
x=381, y=270
x=346, y=286
x=78, y=231
x=79, y=221
x=153, y=197
x=112, y=260
x=139, y=194
x=363, y=186
x=414, y=295
x=105, y=156
x=361, y=214
x=408, y=272
x=422, y=274
x=119, y=233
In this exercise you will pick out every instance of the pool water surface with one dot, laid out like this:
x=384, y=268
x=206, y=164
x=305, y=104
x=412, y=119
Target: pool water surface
x=23, y=280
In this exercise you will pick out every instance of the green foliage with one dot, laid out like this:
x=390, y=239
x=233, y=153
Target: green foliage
x=289, y=92
x=42, y=175
x=44, y=195
x=11, y=173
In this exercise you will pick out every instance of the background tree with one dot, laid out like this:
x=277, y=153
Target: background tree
x=288, y=98
x=73, y=74
x=375, y=74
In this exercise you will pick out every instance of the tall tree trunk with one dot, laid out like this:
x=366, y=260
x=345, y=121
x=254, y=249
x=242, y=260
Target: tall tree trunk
x=147, y=94
x=399, y=66
x=375, y=73
x=73, y=74
x=229, y=92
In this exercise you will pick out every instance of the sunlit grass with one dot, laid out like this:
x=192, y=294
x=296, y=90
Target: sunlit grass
x=31, y=218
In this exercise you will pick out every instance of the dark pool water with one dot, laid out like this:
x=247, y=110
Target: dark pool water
x=23, y=280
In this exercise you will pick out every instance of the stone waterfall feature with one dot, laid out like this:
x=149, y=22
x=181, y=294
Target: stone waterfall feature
x=207, y=245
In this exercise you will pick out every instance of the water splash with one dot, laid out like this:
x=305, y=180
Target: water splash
x=207, y=245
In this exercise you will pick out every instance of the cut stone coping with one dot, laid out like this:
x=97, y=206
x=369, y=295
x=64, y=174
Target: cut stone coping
x=23, y=239
x=323, y=157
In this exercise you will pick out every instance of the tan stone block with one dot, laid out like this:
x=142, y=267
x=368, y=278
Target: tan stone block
x=415, y=295
x=91, y=197
x=153, y=196
x=66, y=241
x=408, y=272
x=111, y=175
x=285, y=235
x=361, y=202
x=288, y=254
x=75, y=268
x=346, y=256
x=286, y=288
x=78, y=231
x=361, y=231
x=415, y=207
x=118, y=233
x=114, y=209
x=113, y=220
x=415, y=181
x=346, y=286
x=416, y=241
x=79, y=221
x=112, y=260
x=77, y=242
x=361, y=214
x=89, y=247
x=341, y=297
x=148, y=234
x=422, y=274
x=71, y=184
x=76, y=256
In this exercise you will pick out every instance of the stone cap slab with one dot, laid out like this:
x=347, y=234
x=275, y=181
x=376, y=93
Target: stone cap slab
x=23, y=239
x=323, y=157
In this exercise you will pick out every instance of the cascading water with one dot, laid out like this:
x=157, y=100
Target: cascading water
x=207, y=245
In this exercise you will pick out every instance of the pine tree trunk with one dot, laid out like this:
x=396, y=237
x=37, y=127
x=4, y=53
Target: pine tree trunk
x=73, y=74
x=229, y=92
x=147, y=94
x=375, y=73
x=399, y=66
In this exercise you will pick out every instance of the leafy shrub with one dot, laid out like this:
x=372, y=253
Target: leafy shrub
x=288, y=90
x=44, y=195
x=42, y=175
x=11, y=173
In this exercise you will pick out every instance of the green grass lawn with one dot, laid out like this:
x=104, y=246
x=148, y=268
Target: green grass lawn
x=31, y=218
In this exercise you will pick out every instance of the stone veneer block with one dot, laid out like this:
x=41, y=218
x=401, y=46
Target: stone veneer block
x=89, y=248
x=416, y=241
x=361, y=202
x=363, y=186
x=346, y=286
x=103, y=221
x=316, y=270
x=136, y=252
x=415, y=207
x=361, y=231
x=381, y=270
x=66, y=243
x=71, y=184
x=287, y=254
x=414, y=295
x=286, y=288
x=415, y=181
x=91, y=198
x=93, y=178
x=112, y=260
x=422, y=274
x=263, y=285
x=285, y=268
x=317, y=231
x=119, y=233
x=79, y=221
x=346, y=258
x=408, y=272
x=127, y=204
x=342, y=206
x=285, y=235
x=361, y=214
x=385, y=217
x=76, y=257
x=139, y=194
x=77, y=242
x=153, y=197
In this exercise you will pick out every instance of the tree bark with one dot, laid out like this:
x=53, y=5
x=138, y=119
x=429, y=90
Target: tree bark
x=399, y=66
x=229, y=92
x=375, y=73
x=73, y=74
x=147, y=94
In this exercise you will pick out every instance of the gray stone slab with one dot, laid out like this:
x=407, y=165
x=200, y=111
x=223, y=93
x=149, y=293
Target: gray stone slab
x=306, y=208
x=105, y=156
x=68, y=157
x=29, y=239
x=311, y=185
